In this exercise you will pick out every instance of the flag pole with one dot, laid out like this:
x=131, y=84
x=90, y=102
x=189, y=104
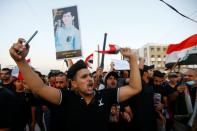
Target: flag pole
x=174, y=66
x=121, y=57
x=98, y=56
x=179, y=68
x=103, y=55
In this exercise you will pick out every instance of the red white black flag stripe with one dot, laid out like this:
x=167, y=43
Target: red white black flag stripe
x=113, y=49
x=89, y=60
x=186, y=51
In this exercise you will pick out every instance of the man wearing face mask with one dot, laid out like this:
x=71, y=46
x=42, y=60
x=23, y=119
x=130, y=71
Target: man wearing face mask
x=182, y=107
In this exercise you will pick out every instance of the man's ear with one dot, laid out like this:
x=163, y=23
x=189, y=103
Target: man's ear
x=145, y=73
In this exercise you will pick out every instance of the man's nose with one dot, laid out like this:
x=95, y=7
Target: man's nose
x=90, y=77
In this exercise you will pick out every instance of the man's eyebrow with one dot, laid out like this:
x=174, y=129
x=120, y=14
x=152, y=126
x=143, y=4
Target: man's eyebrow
x=85, y=75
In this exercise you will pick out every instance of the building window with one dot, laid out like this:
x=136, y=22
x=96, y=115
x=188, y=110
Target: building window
x=164, y=49
x=158, y=49
x=152, y=56
x=152, y=49
x=158, y=56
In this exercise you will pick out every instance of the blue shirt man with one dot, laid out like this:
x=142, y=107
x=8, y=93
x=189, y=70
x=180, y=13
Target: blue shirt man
x=67, y=37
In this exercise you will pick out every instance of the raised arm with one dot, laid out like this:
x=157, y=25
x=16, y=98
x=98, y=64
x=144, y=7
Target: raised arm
x=141, y=62
x=33, y=81
x=134, y=86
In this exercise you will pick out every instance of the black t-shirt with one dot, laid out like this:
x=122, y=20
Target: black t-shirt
x=7, y=112
x=144, y=112
x=179, y=106
x=25, y=103
x=91, y=117
x=160, y=90
x=169, y=89
x=57, y=116
x=14, y=110
x=9, y=86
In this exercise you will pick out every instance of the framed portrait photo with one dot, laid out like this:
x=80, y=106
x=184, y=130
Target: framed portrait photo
x=67, y=32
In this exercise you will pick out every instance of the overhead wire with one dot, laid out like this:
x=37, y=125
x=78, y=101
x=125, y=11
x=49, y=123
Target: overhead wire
x=178, y=11
x=173, y=28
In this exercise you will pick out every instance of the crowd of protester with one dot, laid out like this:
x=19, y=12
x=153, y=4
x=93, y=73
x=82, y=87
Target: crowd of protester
x=166, y=101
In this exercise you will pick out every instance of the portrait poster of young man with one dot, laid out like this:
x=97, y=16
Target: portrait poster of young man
x=67, y=32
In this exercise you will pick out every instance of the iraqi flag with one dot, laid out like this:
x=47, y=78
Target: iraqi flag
x=185, y=52
x=16, y=72
x=89, y=60
x=113, y=49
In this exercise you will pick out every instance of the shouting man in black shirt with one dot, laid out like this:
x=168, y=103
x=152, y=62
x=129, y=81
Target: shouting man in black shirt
x=84, y=107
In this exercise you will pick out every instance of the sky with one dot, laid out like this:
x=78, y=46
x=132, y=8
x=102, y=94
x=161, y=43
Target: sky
x=128, y=23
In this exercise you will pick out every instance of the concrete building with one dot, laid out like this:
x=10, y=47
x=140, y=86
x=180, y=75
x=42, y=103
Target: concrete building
x=154, y=54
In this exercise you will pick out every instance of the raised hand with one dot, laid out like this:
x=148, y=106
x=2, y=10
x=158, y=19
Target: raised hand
x=127, y=52
x=18, y=51
x=181, y=88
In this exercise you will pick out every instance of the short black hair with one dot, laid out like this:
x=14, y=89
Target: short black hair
x=111, y=73
x=61, y=74
x=72, y=71
x=158, y=74
x=8, y=70
x=51, y=74
x=172, y=74
x=146, y=68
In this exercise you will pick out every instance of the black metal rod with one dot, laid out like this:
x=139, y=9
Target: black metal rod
x=27, y=43
x=103, y=55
